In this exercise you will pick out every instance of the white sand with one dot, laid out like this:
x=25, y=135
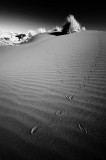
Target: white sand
x=58, y=86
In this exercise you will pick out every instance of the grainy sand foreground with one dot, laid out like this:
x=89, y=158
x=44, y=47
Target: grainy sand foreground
x=58, y=86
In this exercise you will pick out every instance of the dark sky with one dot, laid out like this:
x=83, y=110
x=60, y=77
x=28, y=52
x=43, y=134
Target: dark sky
x=32, y=14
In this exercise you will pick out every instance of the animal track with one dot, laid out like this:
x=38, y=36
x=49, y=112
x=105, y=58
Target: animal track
x=83, y=129
x=91, y=70
x=94, y=65
x=83, y=85
x=59, y=112
x=58, y=72
x=86, y=77
x=69, y=97
x=61, y=81
x=33, y=130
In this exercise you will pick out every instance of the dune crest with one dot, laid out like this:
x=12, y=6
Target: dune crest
x=11, y=39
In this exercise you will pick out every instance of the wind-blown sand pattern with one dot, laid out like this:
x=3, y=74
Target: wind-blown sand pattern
x=53, y=98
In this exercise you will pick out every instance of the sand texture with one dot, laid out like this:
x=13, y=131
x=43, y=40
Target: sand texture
x=53, y=98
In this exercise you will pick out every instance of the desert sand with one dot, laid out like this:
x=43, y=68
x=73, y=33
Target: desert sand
x=53, y=98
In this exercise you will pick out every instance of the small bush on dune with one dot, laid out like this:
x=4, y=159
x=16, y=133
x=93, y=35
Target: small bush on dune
x=71, y=25
x=31, y=33
x=83, y=28
x=41, y=30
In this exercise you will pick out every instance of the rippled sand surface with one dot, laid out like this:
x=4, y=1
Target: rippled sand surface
x=53, y=98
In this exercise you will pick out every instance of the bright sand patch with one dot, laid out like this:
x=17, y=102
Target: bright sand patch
x=53, y=98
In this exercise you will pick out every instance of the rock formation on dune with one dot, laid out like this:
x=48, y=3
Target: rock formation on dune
x=71, y=25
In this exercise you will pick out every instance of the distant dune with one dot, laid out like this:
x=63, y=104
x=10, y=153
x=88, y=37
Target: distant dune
x=53, y=98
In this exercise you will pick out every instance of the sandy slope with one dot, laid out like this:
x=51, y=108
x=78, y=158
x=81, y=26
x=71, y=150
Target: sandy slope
x=59, y=86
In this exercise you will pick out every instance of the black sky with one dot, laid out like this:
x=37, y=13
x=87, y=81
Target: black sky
x=51, y=13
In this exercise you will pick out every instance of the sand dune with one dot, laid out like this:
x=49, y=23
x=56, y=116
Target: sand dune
x=57, y=85
x=39, y=37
